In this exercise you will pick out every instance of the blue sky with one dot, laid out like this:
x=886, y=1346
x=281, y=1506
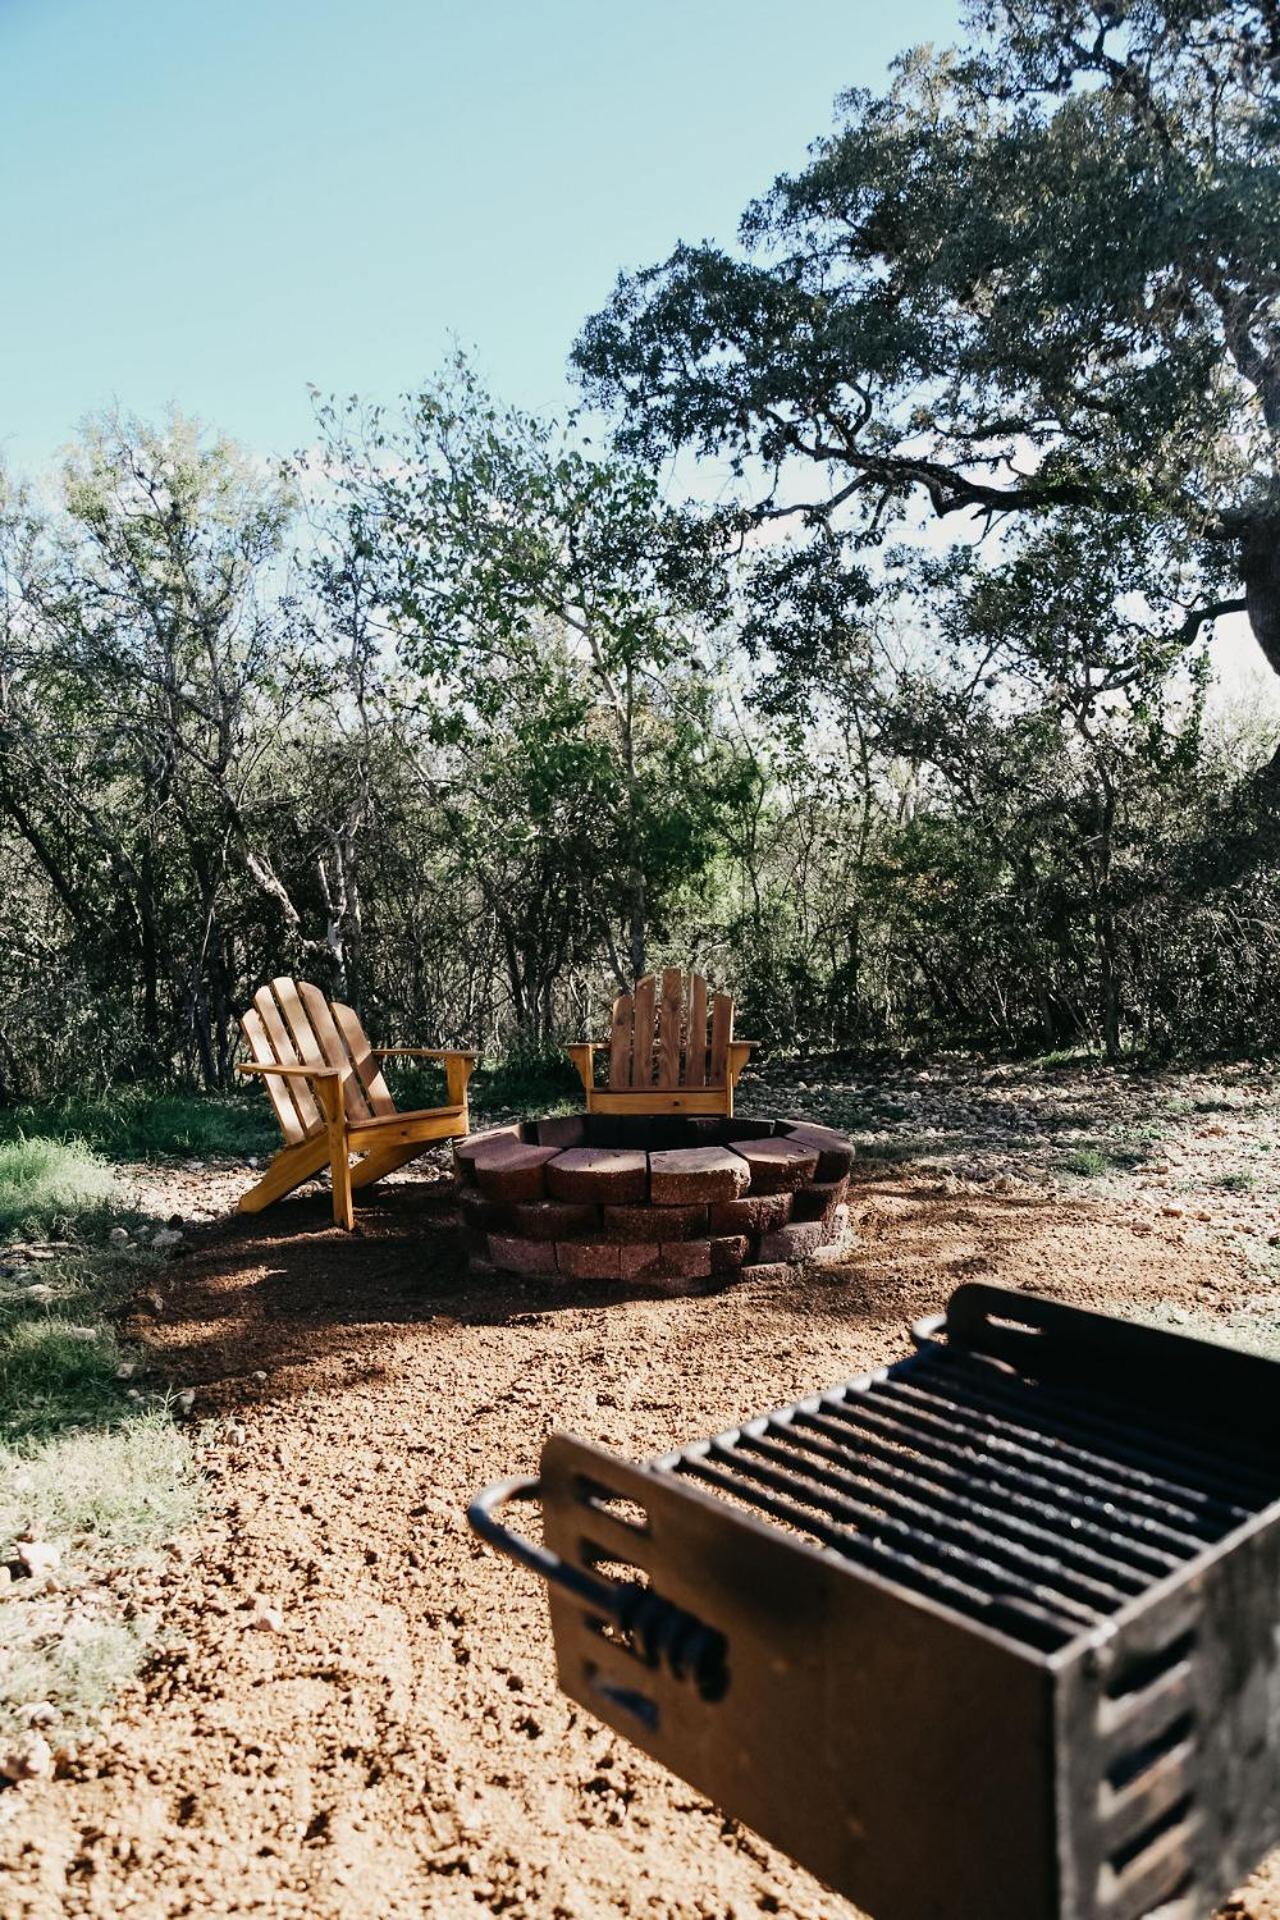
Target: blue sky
x=213, y=202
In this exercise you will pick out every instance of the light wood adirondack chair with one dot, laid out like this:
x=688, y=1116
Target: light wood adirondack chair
x=661, y=1058
x=325, y=1083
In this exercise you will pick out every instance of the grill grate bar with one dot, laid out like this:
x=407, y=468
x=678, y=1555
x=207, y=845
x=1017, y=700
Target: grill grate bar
x=923, y=1543
x=966, y=1406
x=1110, y=1581
x=1142, y=1446
x=1035, y=1455
x=1040, y=1626
x=1234, y=1460
x=950, y=1467
x=931, y=1437
x=874, y=1506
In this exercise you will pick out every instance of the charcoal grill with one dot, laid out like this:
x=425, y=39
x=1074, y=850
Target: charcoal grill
x=992, y=1632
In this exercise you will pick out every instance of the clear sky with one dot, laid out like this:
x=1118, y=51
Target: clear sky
x=213, y=202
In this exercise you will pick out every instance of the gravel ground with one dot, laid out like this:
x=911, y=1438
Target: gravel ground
x=353, y=1711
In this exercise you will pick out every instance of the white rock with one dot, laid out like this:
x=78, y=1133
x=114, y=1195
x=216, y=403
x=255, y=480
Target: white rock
x=40, y=1292
x=166, y=1238
x=266, y=1619
x=118, y=1237
x=41, y=1713
x=185, y=1400
x=27, y=1759
x=38, y=1556
x=126, y=1369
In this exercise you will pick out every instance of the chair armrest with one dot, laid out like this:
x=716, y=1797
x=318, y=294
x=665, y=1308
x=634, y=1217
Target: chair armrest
x=583, y=1053
x=327, y=1080
x=422, y=1053
x=739, y=1053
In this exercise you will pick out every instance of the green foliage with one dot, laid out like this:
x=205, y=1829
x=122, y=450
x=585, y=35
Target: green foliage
x=138, y=1123
x=104, y=1497
x=44, y=1183
x=529, y=1081
x=127, y=1487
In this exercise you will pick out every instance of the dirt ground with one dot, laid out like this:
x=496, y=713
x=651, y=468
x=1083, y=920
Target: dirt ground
x=394, y=1745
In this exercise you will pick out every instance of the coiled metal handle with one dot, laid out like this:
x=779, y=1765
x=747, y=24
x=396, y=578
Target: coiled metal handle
x=662, y=1633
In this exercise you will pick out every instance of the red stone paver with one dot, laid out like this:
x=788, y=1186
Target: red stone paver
x=642, y=1223
x=464, y=1151
x=522, y=1256
x=819, y=1200
x=477, y=1210
x=754, y=1213
x=565, y=1130
x=612, y=1175
x=771, y=1272
x=777, y=1166
x=508, y=1170
x=799, y=1241
x=553, y=1219
x=835, y=1151
x=587, y=1260
x=693, y=1176
x=728, y=1251
x=639, y=1260
x=687, y=1259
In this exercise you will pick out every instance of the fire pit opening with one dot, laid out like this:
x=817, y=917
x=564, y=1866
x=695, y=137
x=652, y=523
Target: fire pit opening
x=662, y=1199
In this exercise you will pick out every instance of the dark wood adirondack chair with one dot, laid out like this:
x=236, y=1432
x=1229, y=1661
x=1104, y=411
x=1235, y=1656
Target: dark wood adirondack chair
x=329, y=1095
x=663, y=1057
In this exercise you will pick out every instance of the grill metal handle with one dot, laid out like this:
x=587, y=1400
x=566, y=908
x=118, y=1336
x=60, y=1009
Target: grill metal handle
x=659, y=1631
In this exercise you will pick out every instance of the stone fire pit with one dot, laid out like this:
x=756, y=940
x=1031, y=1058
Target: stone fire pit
x=663, y=1199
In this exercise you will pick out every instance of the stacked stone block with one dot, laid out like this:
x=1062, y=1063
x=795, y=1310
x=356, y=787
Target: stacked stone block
x=665, y=1200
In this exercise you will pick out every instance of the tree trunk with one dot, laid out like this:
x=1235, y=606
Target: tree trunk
x=1260, y=570
x=637, y=924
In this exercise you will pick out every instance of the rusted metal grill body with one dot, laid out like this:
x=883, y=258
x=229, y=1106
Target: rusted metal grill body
x=994, y=1631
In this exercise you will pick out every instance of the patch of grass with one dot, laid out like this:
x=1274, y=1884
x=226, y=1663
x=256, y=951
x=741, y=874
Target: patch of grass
x=99, y=1474
x=45, y=1183
x=77, y=1663
x=138, y=1123
x=1087, y=1163
x=56, y=1373
x=124, y=1488
x=528, y=1081
x=1064, y=1057
x=99, y=1497
x=1090, y=1159
x=1239, y=1182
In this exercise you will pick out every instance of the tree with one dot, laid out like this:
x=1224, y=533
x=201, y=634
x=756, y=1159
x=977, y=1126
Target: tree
x=1039, y=278
x=140, y=661
x=554, y=614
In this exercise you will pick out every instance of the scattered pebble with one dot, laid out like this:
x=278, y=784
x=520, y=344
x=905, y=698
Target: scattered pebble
x=29, y=1758
x=38, y=1556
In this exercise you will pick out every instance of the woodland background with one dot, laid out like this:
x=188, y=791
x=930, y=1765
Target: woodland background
x=897, y=726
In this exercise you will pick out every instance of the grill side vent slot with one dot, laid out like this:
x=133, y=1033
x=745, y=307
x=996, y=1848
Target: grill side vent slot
x=1130, y=1767
x=1140, y=1675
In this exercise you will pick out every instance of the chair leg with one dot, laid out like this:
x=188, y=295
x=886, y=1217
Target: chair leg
x=344, y=1214
x=385, y=1160
x=290, y=1167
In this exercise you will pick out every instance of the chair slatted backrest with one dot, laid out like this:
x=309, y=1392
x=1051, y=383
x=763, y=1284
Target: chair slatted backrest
x=292, y=1024
x=658, y=1037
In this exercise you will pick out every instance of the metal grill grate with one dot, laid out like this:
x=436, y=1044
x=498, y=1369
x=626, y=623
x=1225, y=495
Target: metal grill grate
x=1035, y=1510
x=1039, y=1629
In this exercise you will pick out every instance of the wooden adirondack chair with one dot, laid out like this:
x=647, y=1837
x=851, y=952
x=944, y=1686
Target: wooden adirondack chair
x=325, y=1083
x=661, y=1058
